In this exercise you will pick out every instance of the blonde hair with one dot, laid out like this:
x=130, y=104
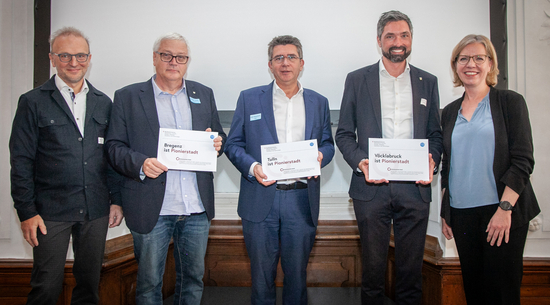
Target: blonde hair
x=492, y=76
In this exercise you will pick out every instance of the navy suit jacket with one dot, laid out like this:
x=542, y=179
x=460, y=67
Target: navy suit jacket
x=133, y=137
x=55, y=172
x=361, y=119
x=248, y=132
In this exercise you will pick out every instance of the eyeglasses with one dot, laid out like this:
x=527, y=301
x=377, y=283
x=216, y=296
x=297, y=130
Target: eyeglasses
x=66, y=57
x=167, y=57
x=465, y=59
x=279, y=59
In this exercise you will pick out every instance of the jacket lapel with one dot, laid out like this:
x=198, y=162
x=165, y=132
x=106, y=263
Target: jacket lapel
x=266, y=102
x=372, y=78
x=417, y=85
x=58, y=98
x=91, y=102
x=310, y=110
x=197, y=120
x=147, y=99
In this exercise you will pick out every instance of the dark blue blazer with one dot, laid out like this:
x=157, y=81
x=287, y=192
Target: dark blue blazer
x=246, y=136
x=133, y=137
x=361, y=119
x=55, y=172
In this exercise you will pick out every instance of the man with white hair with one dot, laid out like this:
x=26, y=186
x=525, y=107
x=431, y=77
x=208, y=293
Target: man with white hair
x=161, y=204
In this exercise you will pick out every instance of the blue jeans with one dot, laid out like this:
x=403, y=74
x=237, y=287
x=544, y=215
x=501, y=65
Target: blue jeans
x=190, y=235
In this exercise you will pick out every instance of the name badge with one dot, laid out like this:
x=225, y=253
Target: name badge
x=255, y=117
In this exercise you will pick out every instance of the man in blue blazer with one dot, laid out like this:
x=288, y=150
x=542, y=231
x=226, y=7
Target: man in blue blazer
x=162, y=204
x=279, y=217
x=390, y=99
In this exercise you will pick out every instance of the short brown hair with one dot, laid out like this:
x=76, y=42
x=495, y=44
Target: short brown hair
x=492, y=76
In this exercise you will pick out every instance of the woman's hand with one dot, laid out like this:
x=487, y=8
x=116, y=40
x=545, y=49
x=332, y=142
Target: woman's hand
x=499, y=227
x=446, y=229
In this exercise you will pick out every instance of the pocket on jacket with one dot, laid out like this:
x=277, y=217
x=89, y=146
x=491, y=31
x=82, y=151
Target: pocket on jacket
x=101, y=124
x=55, y=132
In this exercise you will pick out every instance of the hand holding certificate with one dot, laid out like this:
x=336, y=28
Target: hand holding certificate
x=399, y=160
x=187, y=149
x=290, y=160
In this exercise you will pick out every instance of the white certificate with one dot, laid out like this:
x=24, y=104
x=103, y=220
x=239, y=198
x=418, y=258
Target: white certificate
x=290, y=160
x=399, y=159
x=187, y=149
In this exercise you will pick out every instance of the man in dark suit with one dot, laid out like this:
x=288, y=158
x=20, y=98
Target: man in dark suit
x=161, y=204
x=59, y=174
x=390, y=99
x=279, y=217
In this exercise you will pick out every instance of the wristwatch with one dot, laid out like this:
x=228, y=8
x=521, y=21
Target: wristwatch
x=506, y=206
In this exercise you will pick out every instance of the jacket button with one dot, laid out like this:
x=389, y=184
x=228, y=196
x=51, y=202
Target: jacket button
x=81, y=211
x=79, y=139
x=52, y=121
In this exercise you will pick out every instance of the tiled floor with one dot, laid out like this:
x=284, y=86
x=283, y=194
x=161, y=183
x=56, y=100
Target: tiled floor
x=317, y=296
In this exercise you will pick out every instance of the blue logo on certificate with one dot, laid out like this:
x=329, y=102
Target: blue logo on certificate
x=211, y=136
x=422, y=144
x=311, y=144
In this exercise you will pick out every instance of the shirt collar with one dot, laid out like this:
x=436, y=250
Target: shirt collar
x=384, y=72
x=157, y=91
x=62, y=86
x=278, y=90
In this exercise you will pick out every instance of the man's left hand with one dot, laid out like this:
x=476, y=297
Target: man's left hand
x=115, y=216
x=217, y=141
x=320, y=160
x=431, y=169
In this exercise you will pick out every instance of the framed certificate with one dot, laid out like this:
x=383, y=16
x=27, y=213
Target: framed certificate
x=399, y=159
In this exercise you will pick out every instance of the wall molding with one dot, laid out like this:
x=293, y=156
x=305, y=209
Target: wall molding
x=335, y=262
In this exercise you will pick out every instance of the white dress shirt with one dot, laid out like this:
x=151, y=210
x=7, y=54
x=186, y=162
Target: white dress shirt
x=76, y=102
x=396, y=104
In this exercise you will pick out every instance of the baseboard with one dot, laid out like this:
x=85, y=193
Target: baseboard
x=334, y=262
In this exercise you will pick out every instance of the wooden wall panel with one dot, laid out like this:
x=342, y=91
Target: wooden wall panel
x=334, y=262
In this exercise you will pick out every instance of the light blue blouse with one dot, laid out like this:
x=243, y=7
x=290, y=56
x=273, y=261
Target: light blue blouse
x=471, y=179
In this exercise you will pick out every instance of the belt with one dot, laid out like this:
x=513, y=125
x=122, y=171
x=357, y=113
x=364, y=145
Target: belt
x=293, y=186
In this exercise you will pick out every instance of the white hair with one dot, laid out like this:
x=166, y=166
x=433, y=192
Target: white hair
x=169, y=36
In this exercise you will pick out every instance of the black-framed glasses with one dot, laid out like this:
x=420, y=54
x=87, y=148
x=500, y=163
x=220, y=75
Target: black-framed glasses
x=279, y=59
x=67, y=57
x=478, y=59
x=167, y=57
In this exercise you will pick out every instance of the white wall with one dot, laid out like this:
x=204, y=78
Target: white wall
x=228, y=42
x=529, y=74
x=16, y=67
x=228, y=39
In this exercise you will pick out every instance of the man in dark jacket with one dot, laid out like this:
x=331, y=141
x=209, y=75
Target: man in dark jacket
x=59, y=174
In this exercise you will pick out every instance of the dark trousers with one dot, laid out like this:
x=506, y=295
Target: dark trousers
x=491, y=274
x=402, y=203
x=287, y=232
x=50, y=256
